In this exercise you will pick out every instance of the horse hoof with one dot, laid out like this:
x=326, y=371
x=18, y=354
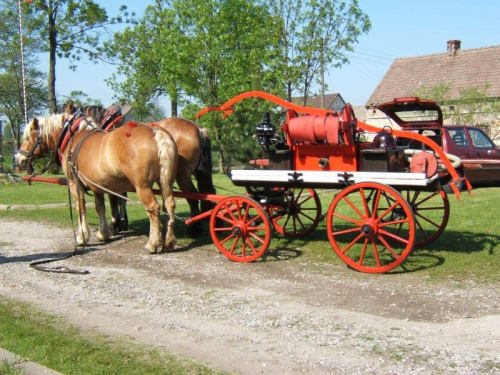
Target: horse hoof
x=81, y=241
x=103, y=237
x=152, y=249
x=169, y=246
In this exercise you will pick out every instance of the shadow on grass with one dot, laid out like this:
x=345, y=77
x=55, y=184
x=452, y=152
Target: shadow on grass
x=434, y=254
x=465, y=242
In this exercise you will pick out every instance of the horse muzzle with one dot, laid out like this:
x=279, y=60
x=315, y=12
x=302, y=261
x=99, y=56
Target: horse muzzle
x=22, y=158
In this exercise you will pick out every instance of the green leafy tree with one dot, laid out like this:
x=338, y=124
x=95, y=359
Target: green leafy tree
x=11, y=76
x=207, y=51
x=226, y=46
x=473, y=106
x=313, y=36
x=201, y=51
x=80, y=98
x=143, y=75
x=70, y=29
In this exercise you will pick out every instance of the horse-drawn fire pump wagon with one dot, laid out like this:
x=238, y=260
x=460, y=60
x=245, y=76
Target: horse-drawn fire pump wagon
x=390, y=198
x=387, y=198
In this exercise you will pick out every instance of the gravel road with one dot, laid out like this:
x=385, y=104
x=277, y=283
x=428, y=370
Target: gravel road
x=269, y=317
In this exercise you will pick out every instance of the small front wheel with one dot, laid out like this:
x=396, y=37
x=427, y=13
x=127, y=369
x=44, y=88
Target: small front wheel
x=240, y=229
x=365, y=237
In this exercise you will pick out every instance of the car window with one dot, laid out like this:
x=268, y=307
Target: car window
x=479, y=139
x=458, y=137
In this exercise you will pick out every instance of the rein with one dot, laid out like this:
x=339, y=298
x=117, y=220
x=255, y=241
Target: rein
x=67, y=133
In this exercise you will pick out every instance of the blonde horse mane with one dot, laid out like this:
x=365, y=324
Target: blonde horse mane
x=48, y=126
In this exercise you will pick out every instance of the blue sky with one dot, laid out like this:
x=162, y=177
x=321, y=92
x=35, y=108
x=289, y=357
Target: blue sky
x=399, y=29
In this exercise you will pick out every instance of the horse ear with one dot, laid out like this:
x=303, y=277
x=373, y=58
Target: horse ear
x=69, y=107
x=33, y=124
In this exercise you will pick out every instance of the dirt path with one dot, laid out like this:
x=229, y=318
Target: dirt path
x=273, y=317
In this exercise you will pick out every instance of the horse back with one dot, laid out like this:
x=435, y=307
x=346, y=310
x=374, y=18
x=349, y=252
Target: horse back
x=126, y=156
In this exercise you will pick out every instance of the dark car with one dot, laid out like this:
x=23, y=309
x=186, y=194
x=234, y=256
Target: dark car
x=480, y=157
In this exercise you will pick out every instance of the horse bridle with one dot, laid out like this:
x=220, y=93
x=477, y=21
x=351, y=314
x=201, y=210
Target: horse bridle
x=30, y=155
x=38, y=143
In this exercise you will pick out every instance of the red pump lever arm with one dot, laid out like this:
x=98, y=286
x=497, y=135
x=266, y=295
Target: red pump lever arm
x=433, y=145
x=227, y=106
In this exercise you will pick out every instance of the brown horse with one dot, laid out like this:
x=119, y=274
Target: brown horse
x=131, y=158
x=195, y=159
x=99, y=115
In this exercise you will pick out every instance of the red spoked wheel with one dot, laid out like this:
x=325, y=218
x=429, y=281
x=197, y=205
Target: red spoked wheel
x=240, y=229
x=297, y=214
x=431, y=210
x=365, y=237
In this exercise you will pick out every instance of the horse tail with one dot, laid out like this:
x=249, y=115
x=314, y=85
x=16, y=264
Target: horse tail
x=167, y=152
x=203, y=172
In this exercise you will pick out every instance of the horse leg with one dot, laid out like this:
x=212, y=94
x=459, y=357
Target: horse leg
x=169, y=206
x=203, y=172
x=115, y=213
x=148, y=199
x=122, y=209
x=119, y=217
x=83, y=234
x=103, y=234
x=186, y=185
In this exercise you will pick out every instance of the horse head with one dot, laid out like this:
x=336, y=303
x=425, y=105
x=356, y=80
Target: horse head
x=40, y=137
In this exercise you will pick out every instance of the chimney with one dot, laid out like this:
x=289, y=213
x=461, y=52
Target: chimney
x=452, y=47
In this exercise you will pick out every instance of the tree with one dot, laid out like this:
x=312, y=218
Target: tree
x=225, y=46
x=80, y=98
x=11, y=79
x=69, y=29
x=207, y=51
x=473, y=106
x=138, y=53
x=314, y=35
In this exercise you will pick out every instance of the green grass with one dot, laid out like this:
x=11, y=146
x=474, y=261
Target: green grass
x=469, y=248
x=37, y=193
x=7, y=369
x=44, y=339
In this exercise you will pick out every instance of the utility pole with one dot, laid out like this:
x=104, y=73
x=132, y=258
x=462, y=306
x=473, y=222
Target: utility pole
x=322, y=77
x=1, y=146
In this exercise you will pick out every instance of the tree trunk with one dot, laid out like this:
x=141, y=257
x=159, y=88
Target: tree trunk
x=218, y=140
x=174, y=105
x=52, y=59
x=16, y=132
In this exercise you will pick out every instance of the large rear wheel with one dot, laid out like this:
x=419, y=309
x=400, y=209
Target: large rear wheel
x=365, y=236
x=431, y=210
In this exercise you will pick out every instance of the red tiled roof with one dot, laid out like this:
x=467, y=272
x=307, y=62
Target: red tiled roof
x=315, y=101
x=468, y=68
